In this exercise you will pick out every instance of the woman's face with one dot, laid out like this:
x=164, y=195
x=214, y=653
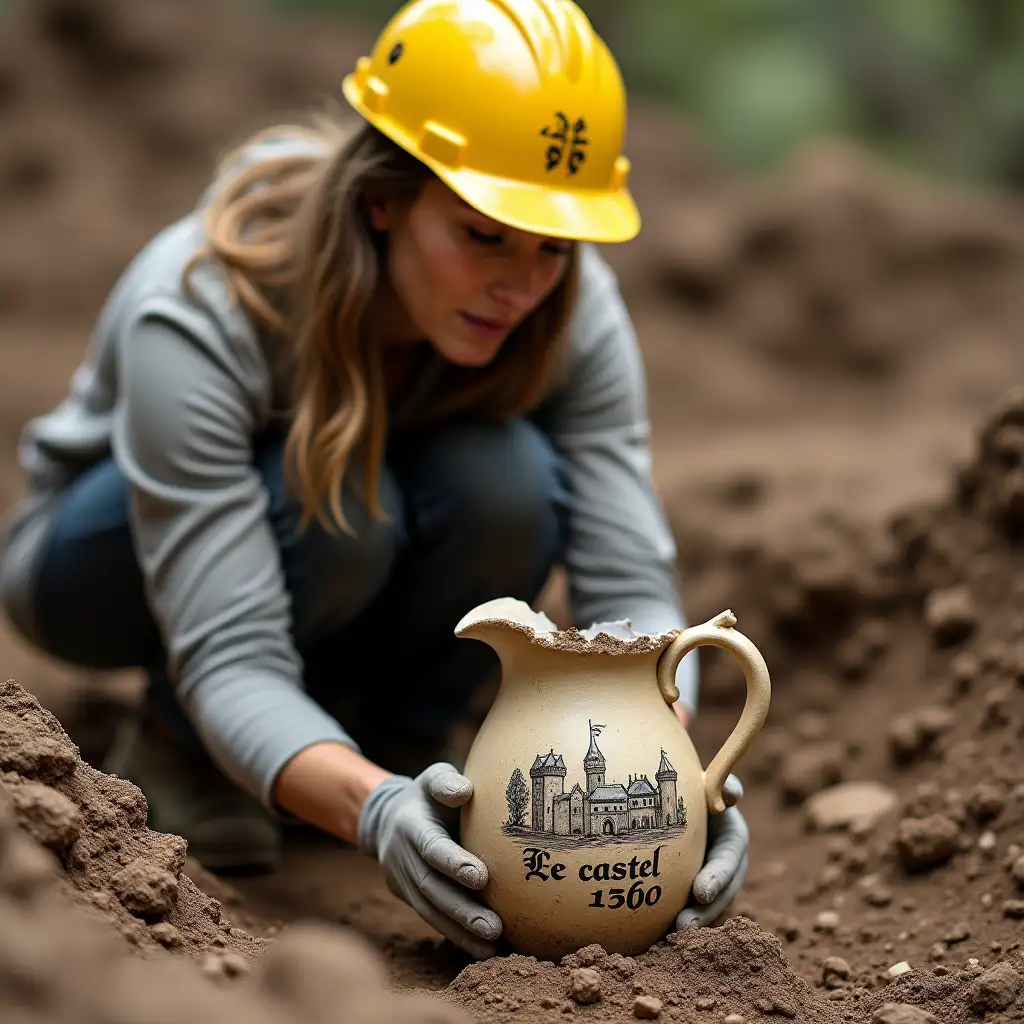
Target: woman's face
x=462, y=280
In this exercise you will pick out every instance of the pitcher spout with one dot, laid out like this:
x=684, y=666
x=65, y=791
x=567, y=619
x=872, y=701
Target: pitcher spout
x=493, y=622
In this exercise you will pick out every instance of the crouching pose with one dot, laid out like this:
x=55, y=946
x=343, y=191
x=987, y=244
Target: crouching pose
x=376, y=377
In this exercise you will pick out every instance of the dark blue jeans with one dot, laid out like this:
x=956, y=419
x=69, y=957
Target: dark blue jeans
x=477, y=511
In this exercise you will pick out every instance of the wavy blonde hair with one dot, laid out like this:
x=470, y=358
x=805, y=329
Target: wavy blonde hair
x=293, y=236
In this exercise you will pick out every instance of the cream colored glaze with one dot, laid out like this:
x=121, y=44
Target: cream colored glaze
x=605, y=694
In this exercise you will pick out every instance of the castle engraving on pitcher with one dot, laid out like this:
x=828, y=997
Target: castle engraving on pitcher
x=601, y=812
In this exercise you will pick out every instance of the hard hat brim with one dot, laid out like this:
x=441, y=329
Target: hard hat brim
x=584, y=216
x=577, y=214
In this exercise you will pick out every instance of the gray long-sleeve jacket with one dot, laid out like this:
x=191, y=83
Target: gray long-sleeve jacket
x=179, y=410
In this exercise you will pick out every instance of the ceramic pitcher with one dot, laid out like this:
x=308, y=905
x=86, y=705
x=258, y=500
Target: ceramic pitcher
x=590, y=803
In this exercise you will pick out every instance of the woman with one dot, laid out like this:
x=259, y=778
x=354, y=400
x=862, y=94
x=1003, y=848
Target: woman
x=372, y=380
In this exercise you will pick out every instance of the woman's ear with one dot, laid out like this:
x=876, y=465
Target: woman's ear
x=378, y=209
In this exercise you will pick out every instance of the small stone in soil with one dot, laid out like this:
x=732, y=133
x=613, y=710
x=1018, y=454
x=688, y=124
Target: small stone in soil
x=902, y=1013
x=166, y=934
x=835, y=971
x=926, y=842
x=827, y=921
x=996, y=989
x=912, y=733
x=646, y=1007
x=960, y=931
x=585, y=985
x=897, y=969
x=950, y=615
x=734, y=1018
x=145, y=889
x=986, y=801
x=848, y=803
x=877, y=896
x=1014, y=909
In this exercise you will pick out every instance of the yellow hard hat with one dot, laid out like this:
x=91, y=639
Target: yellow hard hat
x=517, y=105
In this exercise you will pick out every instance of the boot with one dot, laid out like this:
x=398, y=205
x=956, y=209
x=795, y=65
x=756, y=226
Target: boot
x=227, y=829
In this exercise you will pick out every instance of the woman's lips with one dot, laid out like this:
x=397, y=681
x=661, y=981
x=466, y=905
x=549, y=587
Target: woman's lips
x=485, y=326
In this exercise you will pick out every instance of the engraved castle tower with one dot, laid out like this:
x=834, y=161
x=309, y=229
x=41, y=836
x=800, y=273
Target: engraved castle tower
x=547, y=776
x=666, y=777
x=594, y=763
x=594, y=766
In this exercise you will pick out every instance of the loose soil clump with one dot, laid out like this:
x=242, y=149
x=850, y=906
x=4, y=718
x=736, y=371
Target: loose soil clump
x=76, y=859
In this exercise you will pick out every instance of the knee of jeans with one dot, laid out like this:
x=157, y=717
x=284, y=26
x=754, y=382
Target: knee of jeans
x=504, y=492
x=15, y=591
x=333, y=576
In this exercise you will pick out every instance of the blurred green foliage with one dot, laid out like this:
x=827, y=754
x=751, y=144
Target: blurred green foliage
x=934, y=84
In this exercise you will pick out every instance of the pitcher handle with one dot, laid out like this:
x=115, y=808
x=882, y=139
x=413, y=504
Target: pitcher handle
x=718, y=632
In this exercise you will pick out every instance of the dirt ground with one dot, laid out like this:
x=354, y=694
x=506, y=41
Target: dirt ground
x=831, y=355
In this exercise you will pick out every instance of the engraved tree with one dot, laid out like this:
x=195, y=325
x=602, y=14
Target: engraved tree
x=680, y=813
x=518, y=798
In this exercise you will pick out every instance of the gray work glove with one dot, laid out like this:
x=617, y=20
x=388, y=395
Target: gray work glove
x=403, y=825
x=725, y=863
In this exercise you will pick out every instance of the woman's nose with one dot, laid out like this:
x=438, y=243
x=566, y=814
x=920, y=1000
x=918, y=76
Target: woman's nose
x=519, y=285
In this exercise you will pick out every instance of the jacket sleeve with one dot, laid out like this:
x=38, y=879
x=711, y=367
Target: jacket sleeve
x=182, y=436
x=621, y=556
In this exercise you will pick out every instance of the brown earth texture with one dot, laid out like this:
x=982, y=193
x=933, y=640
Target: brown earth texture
x=832, y=356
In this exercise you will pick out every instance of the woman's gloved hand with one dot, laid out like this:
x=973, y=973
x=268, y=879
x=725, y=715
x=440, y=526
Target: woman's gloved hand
x=725, y=863
x=404, y=824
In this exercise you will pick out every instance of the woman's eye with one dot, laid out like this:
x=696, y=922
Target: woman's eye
x=483, y=238
x=557, y=250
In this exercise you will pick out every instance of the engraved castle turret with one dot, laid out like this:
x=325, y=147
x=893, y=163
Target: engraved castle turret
x=548, y=778
x=666, y=776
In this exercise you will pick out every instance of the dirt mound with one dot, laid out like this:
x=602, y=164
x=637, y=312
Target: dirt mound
x=95, y=825
x=888, y=789
x=736, y=969
x=81, y=835
x=838, y=265
x=735, y=973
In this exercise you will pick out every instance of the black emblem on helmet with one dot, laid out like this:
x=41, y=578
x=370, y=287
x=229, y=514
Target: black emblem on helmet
x=566, y=136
